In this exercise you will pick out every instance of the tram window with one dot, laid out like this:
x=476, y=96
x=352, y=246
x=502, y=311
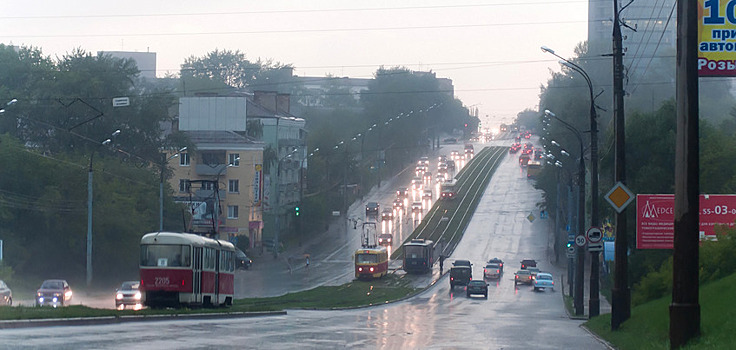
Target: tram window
x=165, y=255
x=367, y=258
x=414, y=252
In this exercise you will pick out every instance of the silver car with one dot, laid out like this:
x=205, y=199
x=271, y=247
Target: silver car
x=128, y=295
x=6, y=295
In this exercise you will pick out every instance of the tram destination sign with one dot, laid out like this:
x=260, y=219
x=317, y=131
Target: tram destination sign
x=655, y=217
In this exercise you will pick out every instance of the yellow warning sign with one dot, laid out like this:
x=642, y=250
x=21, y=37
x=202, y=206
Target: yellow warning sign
x=619, y=197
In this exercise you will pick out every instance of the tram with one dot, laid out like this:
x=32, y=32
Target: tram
x=418, y=256
x=184, y=269
x=371, y=262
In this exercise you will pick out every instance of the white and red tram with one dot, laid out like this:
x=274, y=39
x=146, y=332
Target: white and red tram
x=186, y=269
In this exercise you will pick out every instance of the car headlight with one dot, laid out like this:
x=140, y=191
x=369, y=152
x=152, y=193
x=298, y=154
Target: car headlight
x=119, y=296
x=137, y=296
x=38, y=294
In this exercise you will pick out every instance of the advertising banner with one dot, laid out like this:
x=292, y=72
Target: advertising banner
x=655, y=216
x=257, y=185
x=716, y=38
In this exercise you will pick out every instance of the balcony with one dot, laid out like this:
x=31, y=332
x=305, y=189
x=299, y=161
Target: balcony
x=211, y=170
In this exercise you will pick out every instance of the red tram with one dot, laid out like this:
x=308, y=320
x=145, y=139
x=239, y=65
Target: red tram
x=186, y=269
x=371, y=262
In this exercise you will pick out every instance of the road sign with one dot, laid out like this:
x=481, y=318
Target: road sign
x=619, y=197
x=580, y=241
x=594, y=235
x=570, y=250
x=595, y=247
x=531, y=217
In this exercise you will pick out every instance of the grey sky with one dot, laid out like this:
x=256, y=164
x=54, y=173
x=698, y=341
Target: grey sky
x=490, y=49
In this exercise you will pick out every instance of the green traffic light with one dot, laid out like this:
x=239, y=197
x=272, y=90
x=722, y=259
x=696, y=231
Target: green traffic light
x=296, y=210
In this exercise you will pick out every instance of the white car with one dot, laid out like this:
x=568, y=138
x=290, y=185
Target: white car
x=543, y=280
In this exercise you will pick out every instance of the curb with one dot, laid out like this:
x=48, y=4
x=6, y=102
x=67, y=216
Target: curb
x=85, y=321
x=598, y=338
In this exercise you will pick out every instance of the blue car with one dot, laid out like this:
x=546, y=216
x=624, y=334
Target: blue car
x=543, y=280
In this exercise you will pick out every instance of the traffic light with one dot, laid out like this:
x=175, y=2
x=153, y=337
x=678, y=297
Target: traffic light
x=569, y=244
x=296, y=211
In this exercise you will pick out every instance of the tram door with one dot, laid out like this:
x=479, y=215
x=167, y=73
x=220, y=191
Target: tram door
x=197, y=278
x=218, y=256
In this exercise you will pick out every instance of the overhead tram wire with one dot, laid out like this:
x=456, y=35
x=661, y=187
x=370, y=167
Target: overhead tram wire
x=664, y=30
x=636, y=60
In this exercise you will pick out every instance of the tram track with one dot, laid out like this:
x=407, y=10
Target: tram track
x=471, y=182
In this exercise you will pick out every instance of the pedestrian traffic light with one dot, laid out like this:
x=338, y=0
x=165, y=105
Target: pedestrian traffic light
x=296, y=211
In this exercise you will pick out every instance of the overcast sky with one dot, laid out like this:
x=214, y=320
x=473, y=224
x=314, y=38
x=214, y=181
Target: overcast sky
x=490, y=49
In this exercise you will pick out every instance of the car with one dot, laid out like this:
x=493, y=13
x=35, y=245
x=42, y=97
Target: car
x=402, y=193
x=450, y=140
x=427, y=176
x=528, y=263
x=442, y=158
x=492, y=271
x=534, y=271
x=454, y=155
x=385, y=239
x=462, y=262
x=372, y=209
x=242, y=261
x=523, y=277
x=450, y=165
x=398, y=205
x=460, y=275
x=477, y=287
x=416, y=207
x=387, y=214
x=54, y=292
x=427, y=195
x=496, y=261
x=128, y=294
x=442, y=166
x=543, y=280
x=6, y=295
x=424, y=160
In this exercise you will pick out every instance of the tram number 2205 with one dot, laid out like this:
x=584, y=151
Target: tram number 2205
x=161, y=281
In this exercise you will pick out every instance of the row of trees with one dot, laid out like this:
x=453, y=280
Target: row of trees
x=650, y=147
x=63, y=113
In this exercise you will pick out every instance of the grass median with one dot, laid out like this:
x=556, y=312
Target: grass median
x=354, y=294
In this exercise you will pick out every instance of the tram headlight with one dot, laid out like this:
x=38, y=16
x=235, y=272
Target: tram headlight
x=371, y=269
x=360, y=269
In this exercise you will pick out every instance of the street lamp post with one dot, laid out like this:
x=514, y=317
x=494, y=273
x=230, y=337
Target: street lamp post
x=89, y=206
x=594, y=301
x=580, y=266
x=161, y=188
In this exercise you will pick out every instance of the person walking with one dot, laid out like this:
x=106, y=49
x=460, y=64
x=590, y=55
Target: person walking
x=307, y=260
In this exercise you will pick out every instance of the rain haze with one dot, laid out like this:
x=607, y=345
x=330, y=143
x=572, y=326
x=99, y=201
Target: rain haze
x=489, y=49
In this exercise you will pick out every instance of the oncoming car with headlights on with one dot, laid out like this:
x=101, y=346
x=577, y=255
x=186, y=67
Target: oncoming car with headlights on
x=54, y=293
x=128, y=294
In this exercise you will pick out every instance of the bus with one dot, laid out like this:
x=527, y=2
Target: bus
x=533, y=168
x=371, y=262
x=418, y=256
x=184, y=269
x=448, y=189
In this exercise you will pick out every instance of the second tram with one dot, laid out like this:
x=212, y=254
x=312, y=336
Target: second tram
x=371, y=262
x=418, y=256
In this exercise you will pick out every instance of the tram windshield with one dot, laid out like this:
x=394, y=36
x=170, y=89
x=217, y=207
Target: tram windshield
x=165, y=255
x=414, y=252
x=366, y=258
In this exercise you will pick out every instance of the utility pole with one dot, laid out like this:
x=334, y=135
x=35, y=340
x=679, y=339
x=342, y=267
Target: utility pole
x=621, y=294
x=685, y=309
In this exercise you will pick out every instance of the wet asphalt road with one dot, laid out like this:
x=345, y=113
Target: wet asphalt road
x=511, y=318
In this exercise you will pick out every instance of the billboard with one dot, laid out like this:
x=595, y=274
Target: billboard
x=716, y=38
x=257, y=184
x=655, y=218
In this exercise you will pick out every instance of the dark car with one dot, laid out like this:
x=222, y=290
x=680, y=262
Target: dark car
x=242, y=261
x=477, y=287
x=460, y=276
x=385, y=239
x=462, y=263
x=523, y=277
x=6, y=295
x=528, y=263
x=450, y=140
x=372, y=209
x=54, y=293
x=128, y=294
x=497, y=261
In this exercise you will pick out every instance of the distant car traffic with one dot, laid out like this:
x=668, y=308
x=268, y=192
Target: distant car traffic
x=528, y=263
x=477, y=287
x=372, y=209
x=427, y=195
x=385, y=239
x=492, y=271
x=128, y=294
x=416, y=207
x=416, y=183
x=6, y=295
x=523, y=277
x=387, y=214
x=497, y=261
x=543, y=280
x=402, y=193
x=54, y=293
x=398, y=205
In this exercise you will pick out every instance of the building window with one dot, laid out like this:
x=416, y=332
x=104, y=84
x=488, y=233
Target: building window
x=184, y=159
x=208, y=186
x=234, y=159
x=232, y=211
x=233, y=186
x=184, y=185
